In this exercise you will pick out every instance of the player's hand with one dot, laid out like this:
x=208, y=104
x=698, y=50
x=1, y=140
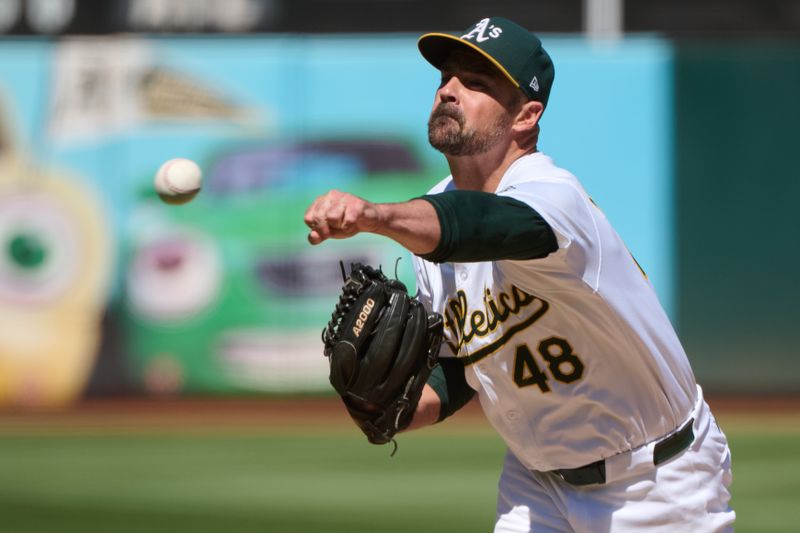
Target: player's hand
x=339, y=215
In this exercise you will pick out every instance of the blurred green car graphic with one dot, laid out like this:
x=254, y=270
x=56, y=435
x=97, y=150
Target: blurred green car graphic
x=224, y=294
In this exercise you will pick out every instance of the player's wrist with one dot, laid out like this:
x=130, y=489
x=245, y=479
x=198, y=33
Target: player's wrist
x=427, y=411
x=373, y=218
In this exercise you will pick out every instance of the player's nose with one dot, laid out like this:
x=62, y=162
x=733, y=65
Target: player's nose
x=448, y=92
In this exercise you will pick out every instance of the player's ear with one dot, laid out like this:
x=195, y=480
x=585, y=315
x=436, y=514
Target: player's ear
x=528, y=116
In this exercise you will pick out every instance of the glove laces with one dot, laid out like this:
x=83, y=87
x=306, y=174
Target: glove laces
x=349, y=295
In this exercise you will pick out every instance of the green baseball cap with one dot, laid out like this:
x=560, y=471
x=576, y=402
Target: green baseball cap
x=515, y=51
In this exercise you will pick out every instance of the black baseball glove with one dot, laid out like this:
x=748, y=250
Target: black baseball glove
x=381, y=345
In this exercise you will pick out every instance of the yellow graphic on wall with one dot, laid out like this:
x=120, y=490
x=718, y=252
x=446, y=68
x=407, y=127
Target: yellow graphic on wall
x=55, y=266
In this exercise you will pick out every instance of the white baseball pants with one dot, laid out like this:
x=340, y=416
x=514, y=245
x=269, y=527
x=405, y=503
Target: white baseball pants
x=688, y=493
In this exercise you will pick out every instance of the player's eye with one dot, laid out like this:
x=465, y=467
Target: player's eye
x=475, y=83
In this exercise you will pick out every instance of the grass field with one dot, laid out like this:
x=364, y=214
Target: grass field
x=199, y=471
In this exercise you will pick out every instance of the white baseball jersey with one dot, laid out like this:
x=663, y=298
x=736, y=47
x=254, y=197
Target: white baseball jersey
x=572, y=355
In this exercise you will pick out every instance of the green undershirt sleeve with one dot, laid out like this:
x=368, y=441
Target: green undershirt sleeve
x=450, y=384
x=479, y=226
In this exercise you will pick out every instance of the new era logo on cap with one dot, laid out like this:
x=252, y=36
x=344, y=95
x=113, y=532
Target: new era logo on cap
x=515, y=51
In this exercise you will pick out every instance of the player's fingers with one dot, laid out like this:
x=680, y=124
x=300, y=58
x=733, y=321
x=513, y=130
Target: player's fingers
x=321, y=228
x=311, y=216
x=349, y=222
x=316, y=218
x=335, y=215
x=317, y=225
x=342, y=213
x=314, y=237
x=308, y=218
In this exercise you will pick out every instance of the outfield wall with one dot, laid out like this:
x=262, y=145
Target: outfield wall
x=223, y=295
x=737, y=183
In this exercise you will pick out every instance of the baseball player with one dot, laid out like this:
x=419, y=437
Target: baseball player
x=547, y=316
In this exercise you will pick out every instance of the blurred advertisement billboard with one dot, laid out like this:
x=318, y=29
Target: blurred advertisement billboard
x=224, y=295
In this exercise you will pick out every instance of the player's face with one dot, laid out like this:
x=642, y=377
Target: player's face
x=474, y=106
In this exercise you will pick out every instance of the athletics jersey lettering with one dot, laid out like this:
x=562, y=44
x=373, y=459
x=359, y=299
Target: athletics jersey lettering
x=465, y=325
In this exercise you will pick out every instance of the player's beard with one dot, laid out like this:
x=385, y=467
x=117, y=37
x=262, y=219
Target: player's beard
x=448, y=132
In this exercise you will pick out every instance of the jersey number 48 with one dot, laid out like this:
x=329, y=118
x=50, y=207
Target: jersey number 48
x=564, y=365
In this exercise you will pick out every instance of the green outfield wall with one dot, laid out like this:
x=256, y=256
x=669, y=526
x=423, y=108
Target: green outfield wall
x=737, y=174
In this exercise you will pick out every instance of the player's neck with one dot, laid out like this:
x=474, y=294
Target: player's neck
x=483, y=172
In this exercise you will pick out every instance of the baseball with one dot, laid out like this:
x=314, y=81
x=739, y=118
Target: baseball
x=178, y=180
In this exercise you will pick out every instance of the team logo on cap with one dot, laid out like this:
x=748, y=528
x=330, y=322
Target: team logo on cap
x=479, y=32
x=535, y=84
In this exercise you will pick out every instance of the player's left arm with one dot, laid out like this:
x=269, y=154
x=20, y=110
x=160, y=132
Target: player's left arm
x=428, y=409
x=446, y=392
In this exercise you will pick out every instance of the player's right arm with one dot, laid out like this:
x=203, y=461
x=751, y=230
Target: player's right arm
x=338, y=215
x=452, y=226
